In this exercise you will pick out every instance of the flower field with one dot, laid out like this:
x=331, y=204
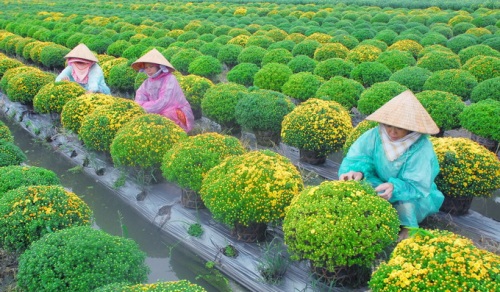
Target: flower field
x=312, y=66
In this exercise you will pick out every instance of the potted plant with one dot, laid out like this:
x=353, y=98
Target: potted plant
x=14, y=176
x=317, y=127
x=30, y=212
x=75, y=110
x=467, y=170
x=433, y=260
x=444, y=108
x=483, y=120
x=262, y=112
x=340, y=227
x=219, y=103
x=181, y=285
x=194, y=88
x=188, y=162
x=141, y=143
x=246, y=192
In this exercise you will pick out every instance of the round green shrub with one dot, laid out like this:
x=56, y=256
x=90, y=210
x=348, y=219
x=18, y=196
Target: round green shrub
x=363, y=53
x=5, y=133
x=369, y=73
x=14, y=176
x=75, y=110
x=317, y=125
x=262, y=110
x=210, y=49
x=8, y=63
x=254, y=187
x=10, y=154
x=348, y=41
x=379, y=44
x=281, y=56
x=334, y=67
x=142, y=142
x=252, y=54
x=364, y=34
x=188, y=35
x=377, y=95
x=80, y=259
x=24, y=86
x=52, y=56
x=98, y=128
x=342, y=90
x=194, y=88
x=396, y=60
x=456, y=81
x=228, y=54
x=29, y=212
x=386, y=35
x=53, y=96
x=181, y=285
x=439, y=60
x=205, y=66
x=122, y=78
x=443, y=30
x=183, y=59
x=134, y=51
x=482, y=118
x=406, y=45
x=367, y=225
x=476, y=50
x=459, y=42
x=412, y=77
x=433, y=38
x=272, y=76
x=259, y=41
x=243, y=74
x=163, y=42
x=284, y=44
x=220, y=101
x=188, y=161
x=483, y=67
x=493, y=42
x=444, y=108
x=302, y=63
x=360, y=128
x=117, y=48
x=330, y=50
x=462, y=27
x=489, y=88
x=99, y=44
x=306, y=47
x=302, y=86
x=106, y=66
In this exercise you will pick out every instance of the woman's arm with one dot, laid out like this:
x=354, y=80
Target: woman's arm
x=95, y=77
x=65, y=74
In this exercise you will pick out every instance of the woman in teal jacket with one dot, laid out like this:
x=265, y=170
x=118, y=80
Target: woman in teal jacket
x=398, y=160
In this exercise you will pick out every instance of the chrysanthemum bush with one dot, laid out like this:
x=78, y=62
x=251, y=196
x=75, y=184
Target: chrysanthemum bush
x=262, y=110
x=486, y=89
x=439, y=60
x=80, y=259
x=122, y=77
x=243, y=74
x=251, y=188
x=11, y=154
x=330, y=50
x=53, y=96
x=272, y=76
x=317, y=125
x=334, y=67
x=483, y=67
x=142, y=142
x=396, y=60
x=437, y=260
x=5, y=133
x=302, y=86
x=99, y=128
x=8, y=63
x=110, y=64
x=444, y=108
x=14, y=176
x=467, y=169
x=205, y=66
x=482, y=118
x=360, y=128
x=188, y=161
x=406, y=45
x=194, y=88
x=342, y=90
x=412, y=77
x=24, y=86
x=363, y=53
x=13, y=72
x=29, y=212
x=369, y=73
x=377, y=95
x=75, y=110
x=181, y=285
x=339, y=224
x=220, y=101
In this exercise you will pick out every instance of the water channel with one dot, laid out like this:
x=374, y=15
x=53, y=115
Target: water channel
x=166, y=258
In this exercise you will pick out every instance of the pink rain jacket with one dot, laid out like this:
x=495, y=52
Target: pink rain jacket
x=163, y=95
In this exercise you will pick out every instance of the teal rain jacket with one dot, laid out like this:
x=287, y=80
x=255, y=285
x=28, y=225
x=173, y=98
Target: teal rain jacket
x=415, y=194
x=95, y=83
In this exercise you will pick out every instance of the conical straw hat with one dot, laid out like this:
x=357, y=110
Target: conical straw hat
x=82, y=52
x=153, y=56
x=406, y=112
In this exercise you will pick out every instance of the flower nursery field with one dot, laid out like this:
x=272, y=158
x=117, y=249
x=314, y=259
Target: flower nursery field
x=305, y=73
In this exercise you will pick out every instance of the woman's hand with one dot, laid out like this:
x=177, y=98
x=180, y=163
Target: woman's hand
x=385, y=190
x=65, y=78
x=351, y=175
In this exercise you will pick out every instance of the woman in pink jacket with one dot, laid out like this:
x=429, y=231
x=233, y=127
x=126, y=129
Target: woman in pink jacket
x=161, y=92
